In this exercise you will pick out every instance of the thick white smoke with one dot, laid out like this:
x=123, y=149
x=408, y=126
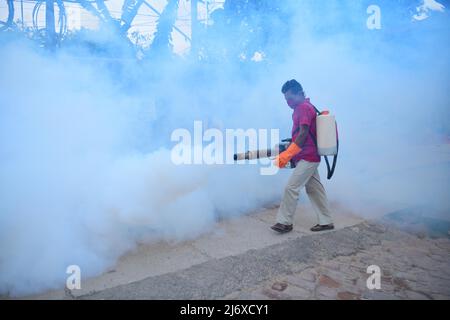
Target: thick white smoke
x=85, y=169
x=75, y=188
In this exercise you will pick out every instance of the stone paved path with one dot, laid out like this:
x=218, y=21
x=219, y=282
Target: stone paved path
x=331, y=265
x=418, y=269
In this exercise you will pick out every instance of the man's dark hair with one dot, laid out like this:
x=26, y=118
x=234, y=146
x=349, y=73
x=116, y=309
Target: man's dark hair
x=293, y=86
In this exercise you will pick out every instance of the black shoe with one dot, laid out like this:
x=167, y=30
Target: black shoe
x=319, y=227
x=282, y=228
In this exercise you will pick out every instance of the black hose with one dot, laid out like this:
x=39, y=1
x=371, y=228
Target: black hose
x=331, y=171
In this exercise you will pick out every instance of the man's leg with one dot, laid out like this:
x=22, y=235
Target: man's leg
x=302, y=173
x=317, y=195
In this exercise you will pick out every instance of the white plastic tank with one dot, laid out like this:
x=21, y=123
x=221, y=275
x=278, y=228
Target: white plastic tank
x=326, y=134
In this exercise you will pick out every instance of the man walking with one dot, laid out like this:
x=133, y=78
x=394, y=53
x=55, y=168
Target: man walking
x=303, y=152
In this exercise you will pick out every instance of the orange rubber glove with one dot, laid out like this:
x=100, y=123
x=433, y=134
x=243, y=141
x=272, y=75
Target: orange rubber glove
x=283, y=158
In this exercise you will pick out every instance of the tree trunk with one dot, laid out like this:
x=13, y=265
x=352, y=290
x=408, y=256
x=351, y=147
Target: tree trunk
x=50, y=23
x=162, y=41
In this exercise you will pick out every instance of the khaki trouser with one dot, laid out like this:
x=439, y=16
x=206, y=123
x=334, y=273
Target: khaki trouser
x=304, y=175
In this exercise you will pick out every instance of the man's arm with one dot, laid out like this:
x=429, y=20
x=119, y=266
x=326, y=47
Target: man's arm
x=301, y=138
x=294, y=148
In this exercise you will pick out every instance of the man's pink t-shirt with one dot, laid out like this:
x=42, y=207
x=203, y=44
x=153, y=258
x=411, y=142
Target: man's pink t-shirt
x=305, y=114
